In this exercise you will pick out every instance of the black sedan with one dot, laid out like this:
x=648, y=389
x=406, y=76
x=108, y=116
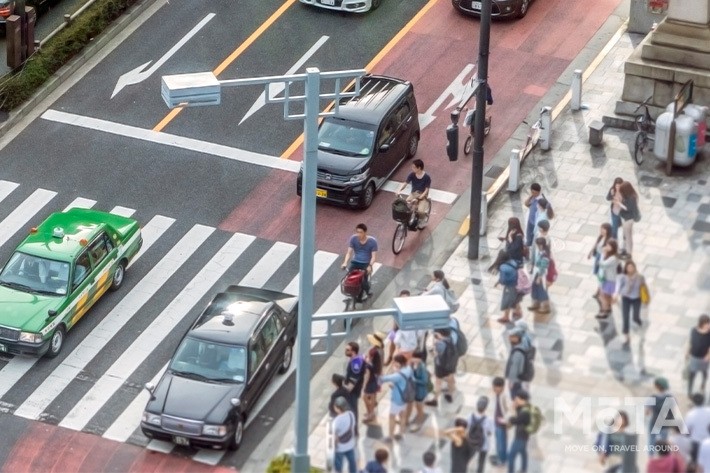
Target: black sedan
x=499, y=8
x=221, y=367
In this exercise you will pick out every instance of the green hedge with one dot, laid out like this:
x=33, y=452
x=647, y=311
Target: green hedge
x=17, y=87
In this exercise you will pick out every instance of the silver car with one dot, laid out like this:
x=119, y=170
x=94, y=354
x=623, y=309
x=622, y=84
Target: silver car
x=355, y=6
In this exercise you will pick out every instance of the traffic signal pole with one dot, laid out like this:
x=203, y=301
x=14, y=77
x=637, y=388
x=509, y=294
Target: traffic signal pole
x=474, y=229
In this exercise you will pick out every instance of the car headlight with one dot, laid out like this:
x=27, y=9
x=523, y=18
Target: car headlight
x=359, y=177
x=30, y=337
x=214, y=430
x=150, y=418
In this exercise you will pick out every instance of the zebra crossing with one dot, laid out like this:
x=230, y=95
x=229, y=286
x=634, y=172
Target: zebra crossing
x=94, y=385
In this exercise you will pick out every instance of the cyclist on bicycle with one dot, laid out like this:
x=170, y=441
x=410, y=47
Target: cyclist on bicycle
x=421, y=182
x=361, y=254
x=470, y=120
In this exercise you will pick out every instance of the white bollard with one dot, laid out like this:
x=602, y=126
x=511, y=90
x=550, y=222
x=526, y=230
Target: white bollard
x=514, y=174
x=577, y=90
x=484, y=213
x=545, y=128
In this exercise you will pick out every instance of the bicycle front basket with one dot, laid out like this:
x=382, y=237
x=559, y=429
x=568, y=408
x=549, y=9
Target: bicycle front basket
x=400, y=210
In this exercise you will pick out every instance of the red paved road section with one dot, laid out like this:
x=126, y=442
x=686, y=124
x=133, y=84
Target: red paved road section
x=526, y=59
x=35, y=447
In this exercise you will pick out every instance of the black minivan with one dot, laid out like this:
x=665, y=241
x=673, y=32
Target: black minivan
x=365, y=141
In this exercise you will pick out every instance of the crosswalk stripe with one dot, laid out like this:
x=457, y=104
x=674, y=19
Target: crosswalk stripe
x=151, y=232
x=130, y=419
x=142, y=347
x=322, y=260
x=6, y=188
x=93, y=343
x=23, y=213
x=268, y=264
x=80, y=203
x=123, y=211
x=13, y=371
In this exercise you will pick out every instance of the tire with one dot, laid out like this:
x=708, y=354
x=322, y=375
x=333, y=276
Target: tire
x=413, y=145
x=375, y=5
x=286, y=360
x=523, y=8
x=238, y=434
x=467, y=145
x=118, y=275
x=640, y=146
x=368, y=196
x=400, y=234
x=56, y=342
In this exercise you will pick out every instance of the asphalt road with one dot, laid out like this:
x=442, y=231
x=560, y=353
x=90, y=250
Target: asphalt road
x=194, y=173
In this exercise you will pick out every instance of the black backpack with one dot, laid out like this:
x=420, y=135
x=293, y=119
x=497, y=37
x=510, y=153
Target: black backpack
x=529, y=366
x=448, y=359
x=476, y=435
x=410, y=389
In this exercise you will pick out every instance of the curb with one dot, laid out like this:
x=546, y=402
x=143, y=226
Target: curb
x=72, y=66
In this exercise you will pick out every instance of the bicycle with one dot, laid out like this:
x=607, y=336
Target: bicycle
x=645, y=131
x=533, y=136
x=405, y=214
x=469, y=121
x=351, y=287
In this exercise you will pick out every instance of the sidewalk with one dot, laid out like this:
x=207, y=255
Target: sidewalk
x=578, y=357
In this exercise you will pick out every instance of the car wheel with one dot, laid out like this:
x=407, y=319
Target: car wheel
x=286, y=360
x=118, y=276
x=375, y=4
x=413, y=145
x=523, y=8
x=368, y=196
x=56, y=342
x=236, y=439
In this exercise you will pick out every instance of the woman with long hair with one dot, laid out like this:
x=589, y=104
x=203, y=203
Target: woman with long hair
x=629, y=288
x=629, y=214
x=607, y=274
x=605, y=232
x=373, y=371
x=515, y=240
x=541, y=300
x=614, y=197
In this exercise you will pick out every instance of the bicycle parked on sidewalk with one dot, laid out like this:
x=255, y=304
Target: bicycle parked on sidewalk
x=645, y=131
x=407, y=218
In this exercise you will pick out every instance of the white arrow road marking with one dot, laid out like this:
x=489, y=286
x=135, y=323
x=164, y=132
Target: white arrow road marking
x=278, y=87
x=457, y=88
x=139, y=75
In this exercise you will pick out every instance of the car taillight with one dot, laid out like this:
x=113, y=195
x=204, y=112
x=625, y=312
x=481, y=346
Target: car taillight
x=6, y=10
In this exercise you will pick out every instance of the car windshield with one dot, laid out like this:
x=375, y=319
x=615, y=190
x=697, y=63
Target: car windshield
x=346, y=138
x=208, y=360
x=34, y=274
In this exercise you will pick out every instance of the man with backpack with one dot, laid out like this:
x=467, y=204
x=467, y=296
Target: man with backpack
x=520, y=367
x=523, y=423
x=480, y=431
x=402, y=394
x=445, y=361
x=344, y=434
x=354, y=375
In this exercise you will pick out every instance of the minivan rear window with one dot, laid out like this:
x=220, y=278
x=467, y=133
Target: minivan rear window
x=345, y=137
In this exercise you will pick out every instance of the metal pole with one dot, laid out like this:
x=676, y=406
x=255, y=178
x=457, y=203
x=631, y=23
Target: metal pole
x=478, y=131
x=301, y=462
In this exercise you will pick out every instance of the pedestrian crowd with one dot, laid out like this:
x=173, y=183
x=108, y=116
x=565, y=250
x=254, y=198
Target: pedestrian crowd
x=418, y=367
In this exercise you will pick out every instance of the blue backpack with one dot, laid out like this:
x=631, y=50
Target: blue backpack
x=508, y=275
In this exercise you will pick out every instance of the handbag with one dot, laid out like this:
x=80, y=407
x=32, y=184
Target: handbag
x=644, y=294
x=524, y=284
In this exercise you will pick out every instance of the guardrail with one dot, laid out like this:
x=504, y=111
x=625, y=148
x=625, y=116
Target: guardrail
x=67, y=20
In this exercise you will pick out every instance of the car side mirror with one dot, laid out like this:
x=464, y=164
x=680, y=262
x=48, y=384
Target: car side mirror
x=384, y=148
x=235, y=402
x=52, y=313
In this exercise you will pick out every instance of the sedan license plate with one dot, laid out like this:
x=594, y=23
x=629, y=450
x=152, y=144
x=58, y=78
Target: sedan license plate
x=321, y=193
x=328, y=2
x=476, y=5
x=182, y=441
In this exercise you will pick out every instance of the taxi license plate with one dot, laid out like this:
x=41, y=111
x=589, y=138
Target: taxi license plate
x=321, y=193
x=476, y=5
x=182, y=441
x=3, y=347
x=328, y=2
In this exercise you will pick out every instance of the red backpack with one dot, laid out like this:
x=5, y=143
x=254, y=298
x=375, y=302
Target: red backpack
x=551, y=272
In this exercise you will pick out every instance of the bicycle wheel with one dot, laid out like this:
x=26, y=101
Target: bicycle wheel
x=400, y=234
x=467, y=145
x=640, y=146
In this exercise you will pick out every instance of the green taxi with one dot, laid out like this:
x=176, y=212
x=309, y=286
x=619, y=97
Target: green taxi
x=57, y=273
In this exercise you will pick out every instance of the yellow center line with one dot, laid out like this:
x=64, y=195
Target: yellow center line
x=371, y=65
x=232, y=57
